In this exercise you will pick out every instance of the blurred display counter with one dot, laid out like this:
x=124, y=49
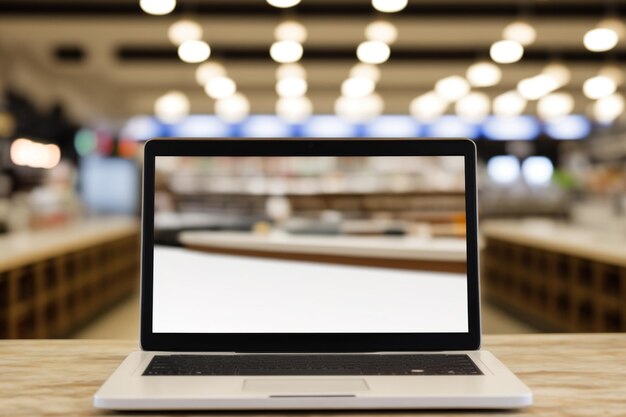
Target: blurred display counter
x=561, y=276
x=434, y=254
x=51, y=281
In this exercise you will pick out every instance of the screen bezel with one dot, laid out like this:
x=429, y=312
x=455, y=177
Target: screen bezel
x=309, y=342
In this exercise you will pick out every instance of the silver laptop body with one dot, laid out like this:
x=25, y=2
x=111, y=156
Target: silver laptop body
x=252, y=302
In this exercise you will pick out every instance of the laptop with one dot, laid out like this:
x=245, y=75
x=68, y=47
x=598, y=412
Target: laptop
x=310, y=274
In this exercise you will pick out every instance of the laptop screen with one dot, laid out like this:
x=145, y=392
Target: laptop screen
x=297, y=244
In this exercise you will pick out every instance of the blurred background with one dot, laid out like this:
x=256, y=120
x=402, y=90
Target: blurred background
x=539, y=84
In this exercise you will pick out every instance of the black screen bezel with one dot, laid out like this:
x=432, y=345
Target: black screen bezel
x=309, y=342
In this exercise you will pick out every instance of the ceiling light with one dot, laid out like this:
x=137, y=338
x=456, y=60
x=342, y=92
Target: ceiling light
x=609, y=108
x=208, y=70
x=157, y=7
x=290, y=31
x=558, y=72
x=537, y=170
x=357, y=87
x=172, y=107
x=518, y=128
x=194, y=52
x=359, y=109
x=283, y=4
x=220, y=87
x=598, y=87
x=614, y=73
x=382, y=31
x=506, y=52
x=600, y=39
x=534, y=88
x=365, y=70
x=483, y=74
x=184, y=30
x=373, y=52
x=555, y=105
x=389, y=6
x=428, y=106
x=509, y=104
x=503, y=169
x=286, y=51
x=233, y=109
x=294, y=109
x=291, y=87
x=474, y=107
x=26, y=152
x=290, y=71
x=452, y=88
x=521, y=32
x=572, y=127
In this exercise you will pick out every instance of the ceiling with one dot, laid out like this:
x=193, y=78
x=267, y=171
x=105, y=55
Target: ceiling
x=106, y=61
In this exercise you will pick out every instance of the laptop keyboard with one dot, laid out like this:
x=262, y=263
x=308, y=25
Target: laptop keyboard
x=327, y=364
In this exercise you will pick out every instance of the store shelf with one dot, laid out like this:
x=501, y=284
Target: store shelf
x=53, y=281
x=563, y=277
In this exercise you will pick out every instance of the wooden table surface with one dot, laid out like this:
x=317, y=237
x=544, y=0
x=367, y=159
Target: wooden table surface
x=570, y=375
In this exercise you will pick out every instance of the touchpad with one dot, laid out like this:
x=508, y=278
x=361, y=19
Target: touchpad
x=305, y=386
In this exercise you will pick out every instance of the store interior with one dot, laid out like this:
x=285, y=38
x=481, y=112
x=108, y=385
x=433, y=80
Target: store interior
x=538, y=85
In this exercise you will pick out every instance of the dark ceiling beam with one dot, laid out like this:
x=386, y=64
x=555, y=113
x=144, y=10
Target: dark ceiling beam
x=428, y=8
x=134, y=54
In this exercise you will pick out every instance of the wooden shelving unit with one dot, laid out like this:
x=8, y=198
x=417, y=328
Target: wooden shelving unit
x=53, y=286
x=553, y=280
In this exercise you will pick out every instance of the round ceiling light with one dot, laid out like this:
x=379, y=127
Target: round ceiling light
x=534, y=88
x=558, y=72
x=172, y=107
x=359, y=109
x=208, y=70
x=283, y=4
x=194, y=52
x=294, y=109
x=555, y=105
x=509, y=104
x=521, y=32
x=506, y=51
x=503, y=169
x=598, y=87
x=609, y=108
x=613, y=72
x=373, y=52
x=184, y=30
x=452, y=88
x=286, y=52
x=537, y=170
x=428, y=107
x=389, y=6
x=365, y=70
x=290, y=71
x=290, y=31
x=357, y=87
x=382, y=31
x=157, y=7
x=220, y=87
x=483, y=74
x=600, y=39
x=233, y=109
x=473, y=107
x=291, y=87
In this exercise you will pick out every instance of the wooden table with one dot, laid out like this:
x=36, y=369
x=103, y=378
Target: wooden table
x=571, y=375
x=405, y=252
